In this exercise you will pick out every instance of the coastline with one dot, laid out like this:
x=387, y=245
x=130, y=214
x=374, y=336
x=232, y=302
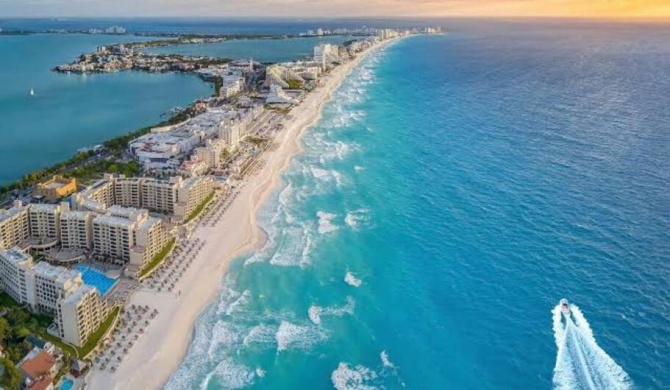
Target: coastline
x=161, y=350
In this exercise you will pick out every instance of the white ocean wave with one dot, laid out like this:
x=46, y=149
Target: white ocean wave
x=316, y=312
x=229, y=375
x=385, y=359
x=260, y=334
x=352, y=280
x=232, y=300
x=296, y=248
x=292, y=336
x=326, y=224
x=224, y=335
x=357, y=218
x=348, y=377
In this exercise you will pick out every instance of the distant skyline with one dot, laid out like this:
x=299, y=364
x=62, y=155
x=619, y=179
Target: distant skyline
x=338, y=8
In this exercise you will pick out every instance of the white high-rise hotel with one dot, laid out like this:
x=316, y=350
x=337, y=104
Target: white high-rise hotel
x=325, y=54
x=176, y=197
x=128, y=236
x=78, y=308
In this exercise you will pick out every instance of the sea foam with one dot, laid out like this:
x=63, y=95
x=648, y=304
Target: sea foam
x=352, y=280
x=290, y=335
x=325, y=222
x=316, y=312
x=348, y=377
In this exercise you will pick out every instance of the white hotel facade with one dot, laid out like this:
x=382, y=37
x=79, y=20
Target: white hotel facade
x=78, y=308
x=176, y=197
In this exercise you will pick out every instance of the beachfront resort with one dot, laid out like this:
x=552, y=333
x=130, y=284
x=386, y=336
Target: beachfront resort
x=74, y=252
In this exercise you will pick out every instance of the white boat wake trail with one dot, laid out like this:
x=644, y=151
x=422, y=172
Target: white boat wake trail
x=580, y=362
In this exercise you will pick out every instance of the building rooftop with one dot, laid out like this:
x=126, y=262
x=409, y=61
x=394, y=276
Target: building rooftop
x=38, y=365
x=127, y=212
x=54, y=185
x=113, y=221
x=41, y=384
x=44, y=207
x=97, y=184
x=76, y=295
x=73, y=214
x=58, y=274
x=9, y=213
x=15, y=255
x=148, y=223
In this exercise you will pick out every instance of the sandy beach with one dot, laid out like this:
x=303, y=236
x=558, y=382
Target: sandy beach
x=161, y=349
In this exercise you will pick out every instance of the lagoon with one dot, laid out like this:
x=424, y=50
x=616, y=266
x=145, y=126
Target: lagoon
x=68, y=112
x=264, y=50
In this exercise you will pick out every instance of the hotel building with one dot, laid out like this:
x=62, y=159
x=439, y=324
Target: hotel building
x=127, y=191
x=52, y=283
x=128, y=236
x=325, y=54
x=14, y=226
x=44, y=224
x=191, y=193
x=78, y=308
x=159, y=195
x=15, y=276
x=56, y=188
x=231, y=134
x=171, y=197
x=79, y=314
x=76, y=228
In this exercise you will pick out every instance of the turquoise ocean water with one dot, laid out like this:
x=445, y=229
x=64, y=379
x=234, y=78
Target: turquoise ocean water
x=72, y=111
x=456, y=188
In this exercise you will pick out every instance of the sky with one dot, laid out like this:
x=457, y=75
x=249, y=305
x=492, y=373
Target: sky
x=338, y=8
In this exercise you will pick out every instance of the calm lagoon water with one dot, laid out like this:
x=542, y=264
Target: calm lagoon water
x=264, y=50
x=72, y=111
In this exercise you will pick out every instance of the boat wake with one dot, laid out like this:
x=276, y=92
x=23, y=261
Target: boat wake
x=580, y=362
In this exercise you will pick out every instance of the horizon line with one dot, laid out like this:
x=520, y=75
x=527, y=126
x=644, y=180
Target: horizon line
x=362, y=17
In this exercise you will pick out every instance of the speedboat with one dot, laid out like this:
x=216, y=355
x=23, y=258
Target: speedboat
x=565, y=307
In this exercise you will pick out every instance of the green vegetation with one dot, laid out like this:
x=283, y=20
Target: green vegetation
x=200, y=207
x=64, y=369
x=280, y=109
x=11, y=377
x=218, y=83
x=16, y=324
x=119, y=144
x=83, y=166
x=36, y=176
x=97, y=335
x=294, y=84
x=257, y=141
x=213, y=61
x=157, y=259
x=8, y=302
x=97, y=169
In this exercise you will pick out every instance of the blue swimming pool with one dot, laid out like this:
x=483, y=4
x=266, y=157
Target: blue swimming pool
x=67, y=384
x=96, y=278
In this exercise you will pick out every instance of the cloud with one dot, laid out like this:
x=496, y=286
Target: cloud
x=337, y=8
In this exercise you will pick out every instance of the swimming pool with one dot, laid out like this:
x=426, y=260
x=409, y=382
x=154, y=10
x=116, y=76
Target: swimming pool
x=67, y=384
x=96, y=278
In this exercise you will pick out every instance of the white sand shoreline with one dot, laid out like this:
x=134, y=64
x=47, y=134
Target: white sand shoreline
x=160, y=351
